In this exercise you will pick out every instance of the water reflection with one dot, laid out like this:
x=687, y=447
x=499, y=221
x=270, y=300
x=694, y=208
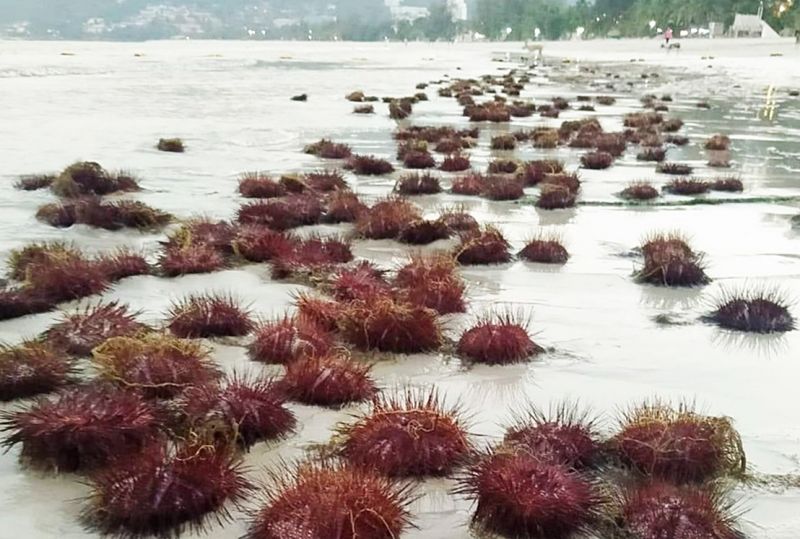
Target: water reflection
x=667, y=298
x=763, y=346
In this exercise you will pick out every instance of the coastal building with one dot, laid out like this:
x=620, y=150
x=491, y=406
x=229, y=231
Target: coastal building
x=402, y=12
x=751, y=26
x=457, y=9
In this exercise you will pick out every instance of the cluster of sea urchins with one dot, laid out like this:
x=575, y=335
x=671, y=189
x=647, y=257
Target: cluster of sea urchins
x=534, y=484
x=543, y=480
x=45, y=274
x=159, y=428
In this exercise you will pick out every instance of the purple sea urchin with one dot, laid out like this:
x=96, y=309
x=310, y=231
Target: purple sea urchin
x=756, y=311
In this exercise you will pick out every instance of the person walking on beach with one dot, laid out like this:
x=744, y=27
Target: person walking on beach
x=668, y=35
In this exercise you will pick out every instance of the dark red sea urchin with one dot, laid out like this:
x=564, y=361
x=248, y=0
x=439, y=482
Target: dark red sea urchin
x=326, y=180
x=318, y=310
x=78, y=333
x=553, y=197
x=418, y=160
x=20, y=259
x=423, y=232
x=311, y=256
x=333, y=379
x=562, y=436
x=34, y=182
x=520, y=496
x=164, y=493
x=291, y=211
x=203, y=230
x=258, y=185
x=471, y=184
x=639, y=191
x=418, y=184
x=387, y=218
x=343, y=207
x=534, y=172
x=455, y=162
x=687, y=186
x=63, y=278
x=156, y=365
x=652, y=154
x=242, y=409
x=330, y=500
x=487, y=246
x=678, y=444
x=458, y=220
x=89, y=178
x=432, y=282
x=502, y=187
x=261, y=244
x=757, y=311
x=363, y=281
x=328, y=149
x=213, y=315
x=505, y=141
x=678, y=169
x=498, y=340
x=369, y=165
x=731, y=185
x=410, y=434
x=597, y=160
x=32, y=368
x=545, y=249
x=285, y=340
x=661, y=510
x=16, y=302
x=81, y=429
x=122, y=263
x=178, y=260
x=503, y=166
x=389, y=325
x=718, y=142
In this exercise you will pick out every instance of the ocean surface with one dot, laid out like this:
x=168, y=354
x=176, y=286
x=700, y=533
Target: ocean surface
x=229, y=102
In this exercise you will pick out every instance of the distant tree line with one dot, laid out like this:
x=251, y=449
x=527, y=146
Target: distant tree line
x=360, y=20
x=555, y=19
x=626, y=18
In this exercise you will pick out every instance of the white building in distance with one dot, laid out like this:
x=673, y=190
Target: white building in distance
x=457, y=9
x=405, y=13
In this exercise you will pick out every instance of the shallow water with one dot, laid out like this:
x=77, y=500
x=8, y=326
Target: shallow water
x=229, y=102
